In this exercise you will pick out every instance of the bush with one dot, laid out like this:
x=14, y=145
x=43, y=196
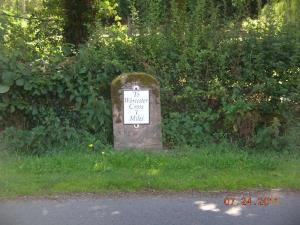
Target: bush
x=221, y=76
x=42, y=139
x=186, y=129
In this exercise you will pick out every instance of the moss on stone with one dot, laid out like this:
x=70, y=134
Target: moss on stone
x=143, y=79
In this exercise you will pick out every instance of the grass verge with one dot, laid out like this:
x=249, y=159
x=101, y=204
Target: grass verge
x=211, y=168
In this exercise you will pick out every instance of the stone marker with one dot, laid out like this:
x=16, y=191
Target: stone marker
x=136, y=111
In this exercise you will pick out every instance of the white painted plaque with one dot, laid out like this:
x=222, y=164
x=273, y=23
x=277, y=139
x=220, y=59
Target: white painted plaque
x=136, y=107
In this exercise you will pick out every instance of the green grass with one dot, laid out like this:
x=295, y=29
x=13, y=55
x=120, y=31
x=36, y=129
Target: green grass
x=208, y=169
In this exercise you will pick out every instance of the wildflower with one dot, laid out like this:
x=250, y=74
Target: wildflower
x=91, y=146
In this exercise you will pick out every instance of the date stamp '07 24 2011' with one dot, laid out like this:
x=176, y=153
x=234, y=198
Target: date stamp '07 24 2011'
x=249, y=200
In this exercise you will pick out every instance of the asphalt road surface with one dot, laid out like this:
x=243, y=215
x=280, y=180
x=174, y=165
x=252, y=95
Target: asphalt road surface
x=264, y=207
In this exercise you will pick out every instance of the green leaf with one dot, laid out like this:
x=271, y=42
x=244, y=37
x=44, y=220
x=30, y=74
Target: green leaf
x=27, y=86
x=82, y=70
x=12, y=108
x=3, y=89
x=34, y=110
x=8, y=77
x=20, y=82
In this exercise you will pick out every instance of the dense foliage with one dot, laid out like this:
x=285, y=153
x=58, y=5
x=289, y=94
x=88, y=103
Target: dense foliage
x=227, y=71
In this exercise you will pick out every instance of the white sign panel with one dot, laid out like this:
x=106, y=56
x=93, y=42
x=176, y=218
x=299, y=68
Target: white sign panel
x=136, y=107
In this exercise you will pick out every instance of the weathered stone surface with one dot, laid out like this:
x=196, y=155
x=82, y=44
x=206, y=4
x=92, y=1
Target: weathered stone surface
x=141, y=136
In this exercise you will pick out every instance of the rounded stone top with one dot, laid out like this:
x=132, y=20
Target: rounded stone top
x=127, y=80
x=137, y=77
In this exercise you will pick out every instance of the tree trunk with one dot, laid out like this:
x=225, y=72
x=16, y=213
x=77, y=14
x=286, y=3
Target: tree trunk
x=23, y=6
x=79, y=14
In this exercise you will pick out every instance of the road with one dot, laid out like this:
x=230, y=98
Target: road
x=282, y=208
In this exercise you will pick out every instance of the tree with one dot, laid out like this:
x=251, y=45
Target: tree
x=79, y=14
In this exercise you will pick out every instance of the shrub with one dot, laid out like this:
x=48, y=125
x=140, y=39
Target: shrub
x=221, y=76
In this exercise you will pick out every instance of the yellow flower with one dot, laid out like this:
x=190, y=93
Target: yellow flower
x=91, y=146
